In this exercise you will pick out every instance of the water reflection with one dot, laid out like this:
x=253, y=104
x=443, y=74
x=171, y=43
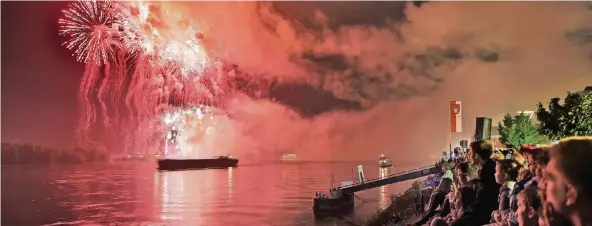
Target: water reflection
x=137, y=194
x=182, y=191
x=383, y=194
x=230, y=189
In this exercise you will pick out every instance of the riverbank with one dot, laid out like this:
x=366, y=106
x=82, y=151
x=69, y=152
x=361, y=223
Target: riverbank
x=402, y=207
x=29, y=154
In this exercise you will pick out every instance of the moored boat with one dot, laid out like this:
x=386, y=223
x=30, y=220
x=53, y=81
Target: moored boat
x=333, y=204
x=384, y=162
x=289, y=157
x=181, y=164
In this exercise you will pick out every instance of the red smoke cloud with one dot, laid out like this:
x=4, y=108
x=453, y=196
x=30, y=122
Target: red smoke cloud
x=495, y=57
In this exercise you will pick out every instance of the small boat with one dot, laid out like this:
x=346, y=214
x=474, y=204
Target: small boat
x=181, y=164
x=289, y=157
x=384, y=162
x=335, y=203
x=136, y=156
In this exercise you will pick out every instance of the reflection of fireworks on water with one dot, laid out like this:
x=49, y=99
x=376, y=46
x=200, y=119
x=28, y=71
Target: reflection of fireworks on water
x=139, y=56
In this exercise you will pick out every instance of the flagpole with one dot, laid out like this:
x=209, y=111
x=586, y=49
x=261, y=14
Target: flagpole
x=449, y=128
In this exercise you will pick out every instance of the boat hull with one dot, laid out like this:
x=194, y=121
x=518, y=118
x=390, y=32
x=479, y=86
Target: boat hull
x=182, y=164
x=323, y=207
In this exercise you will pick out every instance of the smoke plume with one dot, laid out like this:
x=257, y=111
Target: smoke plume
x=378, y=75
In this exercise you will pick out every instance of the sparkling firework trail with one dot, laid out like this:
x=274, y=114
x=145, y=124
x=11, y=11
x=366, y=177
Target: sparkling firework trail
x=185, y=126
x=139, y=57
x=88, y=25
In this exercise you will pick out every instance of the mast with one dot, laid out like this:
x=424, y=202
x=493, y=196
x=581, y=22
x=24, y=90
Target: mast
x=449, y=126
x=332, y=178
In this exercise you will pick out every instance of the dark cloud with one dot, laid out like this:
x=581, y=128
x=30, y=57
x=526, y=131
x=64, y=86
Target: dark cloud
x=581, y=36
x=487, y=55
x=331, y=62
x=310, y=101
x=378, y=14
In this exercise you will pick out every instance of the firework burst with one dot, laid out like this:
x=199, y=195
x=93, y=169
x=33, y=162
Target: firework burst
x=88, y=25
x=186, y=125
x=139, y=56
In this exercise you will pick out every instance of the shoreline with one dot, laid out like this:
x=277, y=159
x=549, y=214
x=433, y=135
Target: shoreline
x=402, y=207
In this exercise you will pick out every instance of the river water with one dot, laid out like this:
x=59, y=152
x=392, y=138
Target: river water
x=135, y=193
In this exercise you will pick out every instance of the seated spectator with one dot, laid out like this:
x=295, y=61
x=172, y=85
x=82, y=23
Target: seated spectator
x=462, y=198
x=506, y=173
x=548, y=216
x=541, y=162
x=487, y=190
x=438, y=196
x=568, y=180
x=523, y=177
x=533, y=153
x=529, y=205
x=462, y=174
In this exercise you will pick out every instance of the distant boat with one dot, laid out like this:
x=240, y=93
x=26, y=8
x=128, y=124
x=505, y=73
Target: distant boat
x=289, y=157
x=130, y=157
x=384, y=162
x=181, y=164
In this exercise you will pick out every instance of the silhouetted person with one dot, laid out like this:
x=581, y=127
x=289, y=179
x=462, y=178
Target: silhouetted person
x=462, y=174
x=418, y=201
x=464, y=196
x=438, y=196
x=568, y=180
x=486, y=188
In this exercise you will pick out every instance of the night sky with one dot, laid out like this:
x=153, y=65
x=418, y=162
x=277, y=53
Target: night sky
x=396, y=63
x=39, y=77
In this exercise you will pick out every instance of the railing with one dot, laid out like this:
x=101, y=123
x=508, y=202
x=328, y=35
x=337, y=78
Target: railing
x=387, y=177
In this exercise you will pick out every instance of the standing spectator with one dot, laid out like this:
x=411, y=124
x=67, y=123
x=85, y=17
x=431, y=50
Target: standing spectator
x=486, y=188
x=568, y=180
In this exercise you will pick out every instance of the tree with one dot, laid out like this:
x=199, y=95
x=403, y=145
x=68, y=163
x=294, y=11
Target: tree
x=519, y=129
x=572, y=118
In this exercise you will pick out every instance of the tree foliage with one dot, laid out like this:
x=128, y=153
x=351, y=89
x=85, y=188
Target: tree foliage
x=572, y=118
x=519, y=129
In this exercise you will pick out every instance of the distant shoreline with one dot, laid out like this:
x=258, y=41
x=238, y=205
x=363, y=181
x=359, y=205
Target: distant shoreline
x=30, y=154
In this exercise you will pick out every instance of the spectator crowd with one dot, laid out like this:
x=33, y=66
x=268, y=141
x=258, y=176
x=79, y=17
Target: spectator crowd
x=532, y=185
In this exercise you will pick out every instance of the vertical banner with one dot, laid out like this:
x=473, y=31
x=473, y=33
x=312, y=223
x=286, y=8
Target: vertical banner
x=455, y=116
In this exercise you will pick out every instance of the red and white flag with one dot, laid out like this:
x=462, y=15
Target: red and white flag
x=455, y=116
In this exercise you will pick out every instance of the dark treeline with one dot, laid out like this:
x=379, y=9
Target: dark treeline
x=22, y=154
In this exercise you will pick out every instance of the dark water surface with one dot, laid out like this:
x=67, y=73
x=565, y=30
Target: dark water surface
x=137, y=194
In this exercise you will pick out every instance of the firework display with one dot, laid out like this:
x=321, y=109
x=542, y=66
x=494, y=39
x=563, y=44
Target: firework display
x=143, y=61
x=186, y=129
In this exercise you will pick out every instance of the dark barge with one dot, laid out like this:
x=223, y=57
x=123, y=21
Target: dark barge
x=183, y=164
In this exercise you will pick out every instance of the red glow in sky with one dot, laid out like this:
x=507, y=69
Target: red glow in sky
x=494, y=57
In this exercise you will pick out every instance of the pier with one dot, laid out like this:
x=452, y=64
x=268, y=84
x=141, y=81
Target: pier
x=389, y=179
x=341, y=199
